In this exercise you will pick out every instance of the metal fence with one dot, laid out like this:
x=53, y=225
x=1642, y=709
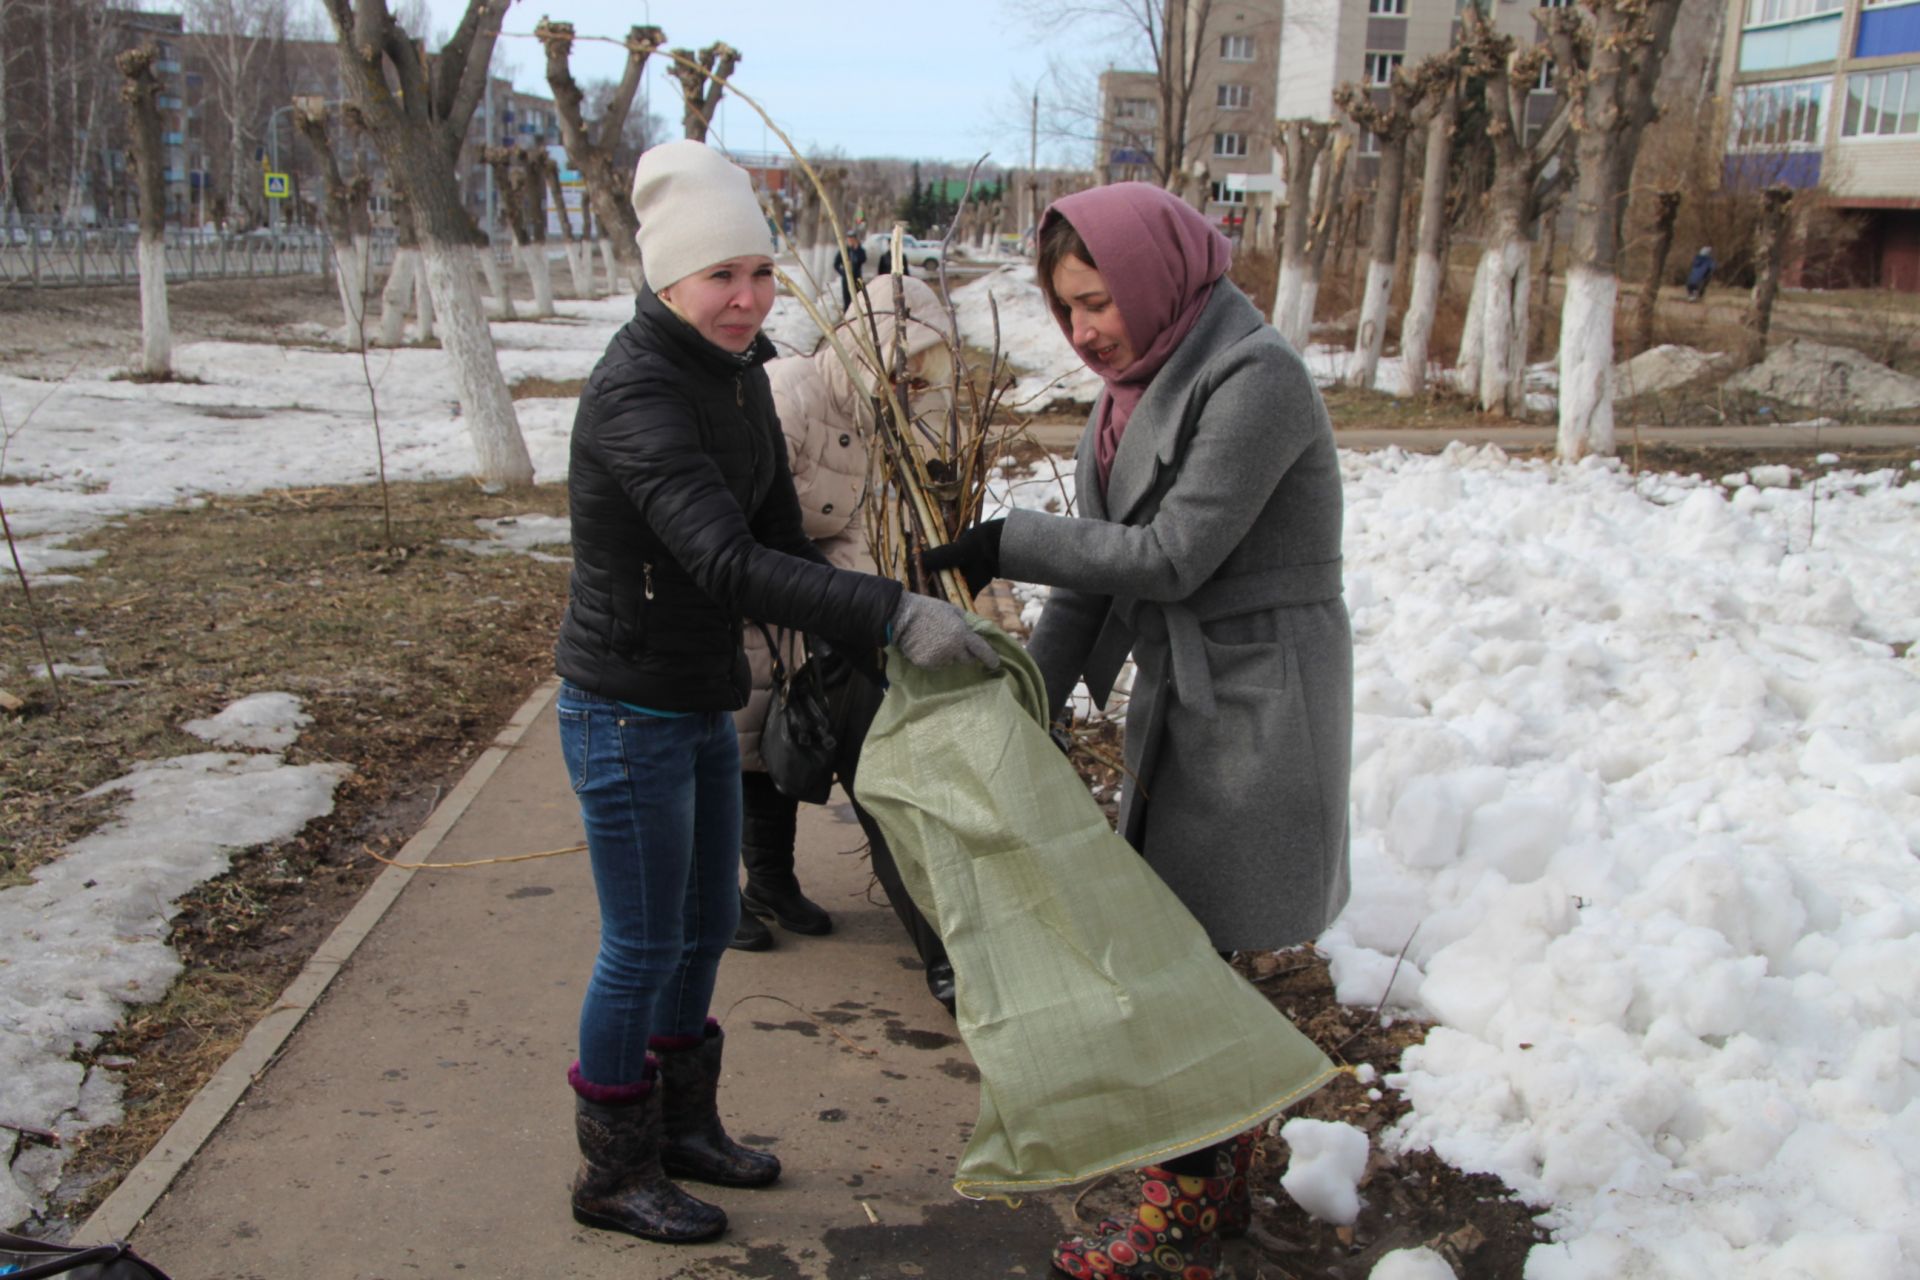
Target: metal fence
x=51, y=257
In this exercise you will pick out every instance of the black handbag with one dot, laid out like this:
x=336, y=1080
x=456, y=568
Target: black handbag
x=797, y=742
x=24, y=1259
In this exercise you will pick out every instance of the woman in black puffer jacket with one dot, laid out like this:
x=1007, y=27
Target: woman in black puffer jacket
x=684, y=521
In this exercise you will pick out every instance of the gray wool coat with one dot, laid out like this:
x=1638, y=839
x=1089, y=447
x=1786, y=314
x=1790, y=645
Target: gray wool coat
x=1214, y=557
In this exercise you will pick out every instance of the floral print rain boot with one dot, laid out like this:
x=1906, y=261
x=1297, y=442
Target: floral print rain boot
x=1173, y=1235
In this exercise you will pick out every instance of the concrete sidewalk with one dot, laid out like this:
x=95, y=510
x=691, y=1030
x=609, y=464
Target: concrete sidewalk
x=418, y=1122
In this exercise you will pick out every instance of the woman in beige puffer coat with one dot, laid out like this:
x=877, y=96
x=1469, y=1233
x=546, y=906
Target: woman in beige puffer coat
x=826, y=417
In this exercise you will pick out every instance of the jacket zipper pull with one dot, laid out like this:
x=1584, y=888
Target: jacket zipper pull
x=739, y=391
x=646, y=578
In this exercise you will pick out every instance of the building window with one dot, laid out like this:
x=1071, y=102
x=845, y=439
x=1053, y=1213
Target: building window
x=1133, y=109
x=1236, y=48
x=1369, y=143
x=1387, y=8
x=1883, y=104
x=1222, y=194
x=1543, y=83
x=1769, y=117
x=1764, y=11
x=1232, y=97
x=1556, y=4
x=1381, y=66
x=1230, y=144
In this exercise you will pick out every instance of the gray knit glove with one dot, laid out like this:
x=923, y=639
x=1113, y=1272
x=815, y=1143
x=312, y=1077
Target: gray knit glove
x=933, y=633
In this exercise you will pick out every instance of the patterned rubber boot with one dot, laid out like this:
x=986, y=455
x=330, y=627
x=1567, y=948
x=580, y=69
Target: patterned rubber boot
x=1233, y=1164
x=621, y=1185
x=1173, y=1235
x=695, y=1144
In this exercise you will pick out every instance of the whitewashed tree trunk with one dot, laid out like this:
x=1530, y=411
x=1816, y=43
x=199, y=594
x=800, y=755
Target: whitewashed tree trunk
x=1423, y=301
x=496, y=282
x=1503, y=353
x=1286, y=302
x=423, y=328
x=1372, y=336
x=484, y=399
x=363, y=256
x=1473, y=329
x=1416, y=327
x=396, y=295
x=540, y=270
x=353, y=295
x=1586, y=364
x=580, y=266
x=156, y=326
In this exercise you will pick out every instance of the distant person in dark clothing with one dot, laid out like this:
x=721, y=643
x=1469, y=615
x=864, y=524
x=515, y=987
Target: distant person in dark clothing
x=856, y=256
x=1700, y=272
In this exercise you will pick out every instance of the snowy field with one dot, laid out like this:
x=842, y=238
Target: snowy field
x=1637, y=789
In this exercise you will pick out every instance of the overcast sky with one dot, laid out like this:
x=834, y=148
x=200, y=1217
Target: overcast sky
x=819, y=69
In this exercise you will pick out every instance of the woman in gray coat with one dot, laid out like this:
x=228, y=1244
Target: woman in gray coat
x=1207, y=544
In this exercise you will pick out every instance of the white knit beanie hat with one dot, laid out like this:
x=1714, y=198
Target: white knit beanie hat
x=696, y=208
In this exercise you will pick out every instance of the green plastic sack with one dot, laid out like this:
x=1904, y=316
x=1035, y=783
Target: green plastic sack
x=1107, y=1032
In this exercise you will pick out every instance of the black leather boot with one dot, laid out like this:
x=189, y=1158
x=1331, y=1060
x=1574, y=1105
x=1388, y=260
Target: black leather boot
x=751, y=934
x=694, y=1144
x=622, y=1186
x=766, y=850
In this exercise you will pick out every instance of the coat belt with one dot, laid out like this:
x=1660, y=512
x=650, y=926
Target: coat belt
x=1178, y=623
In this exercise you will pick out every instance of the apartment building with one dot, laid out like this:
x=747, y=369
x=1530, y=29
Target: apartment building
x=1233, y=51
x=1826, y=93
x=1326, y=43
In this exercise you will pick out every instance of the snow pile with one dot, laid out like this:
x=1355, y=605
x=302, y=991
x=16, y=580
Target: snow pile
x=1637, y=770
x=1324, y=1164
x=1051, y=373
x=520, y=534
x=1665, y=367
x=1820, y=376
x=1411, y=1264
x=260, y=721
x=88, y=936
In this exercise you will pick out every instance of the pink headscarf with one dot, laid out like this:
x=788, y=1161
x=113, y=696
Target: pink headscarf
x=1159, y=259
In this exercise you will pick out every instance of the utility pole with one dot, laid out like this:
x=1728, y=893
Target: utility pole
x=486, y=140
x=1033, y=171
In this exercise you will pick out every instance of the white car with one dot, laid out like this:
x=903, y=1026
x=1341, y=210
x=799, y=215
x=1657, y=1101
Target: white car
x=924, y=254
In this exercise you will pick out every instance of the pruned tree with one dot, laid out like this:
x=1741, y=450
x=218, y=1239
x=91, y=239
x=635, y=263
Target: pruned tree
x=1769, y=244
x=1390, y=124
x=1429, y=257
x=310, y=117
x=579, y=262
x=1609, y=52
x=702, y=78
x=593, y=148
x=1493, y=345
x=1666, y=211
x=1315, y=173
x=399, y=292
x=511, y=178
x=140, y=90
x=417, y=110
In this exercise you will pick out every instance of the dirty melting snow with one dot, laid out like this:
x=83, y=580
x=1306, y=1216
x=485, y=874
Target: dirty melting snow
x=88, y=936
x=1637, y=787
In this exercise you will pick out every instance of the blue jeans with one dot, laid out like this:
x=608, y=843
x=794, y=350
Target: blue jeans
x=660, y=798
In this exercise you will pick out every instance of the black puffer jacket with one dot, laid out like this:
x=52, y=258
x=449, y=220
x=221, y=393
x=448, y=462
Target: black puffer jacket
x=684, y=521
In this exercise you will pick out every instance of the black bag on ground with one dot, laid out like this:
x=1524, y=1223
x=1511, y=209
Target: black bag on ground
x=797, y=743
x=24, y=1259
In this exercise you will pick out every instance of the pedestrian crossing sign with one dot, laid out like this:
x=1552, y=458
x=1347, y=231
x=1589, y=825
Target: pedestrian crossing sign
x=277, y=186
